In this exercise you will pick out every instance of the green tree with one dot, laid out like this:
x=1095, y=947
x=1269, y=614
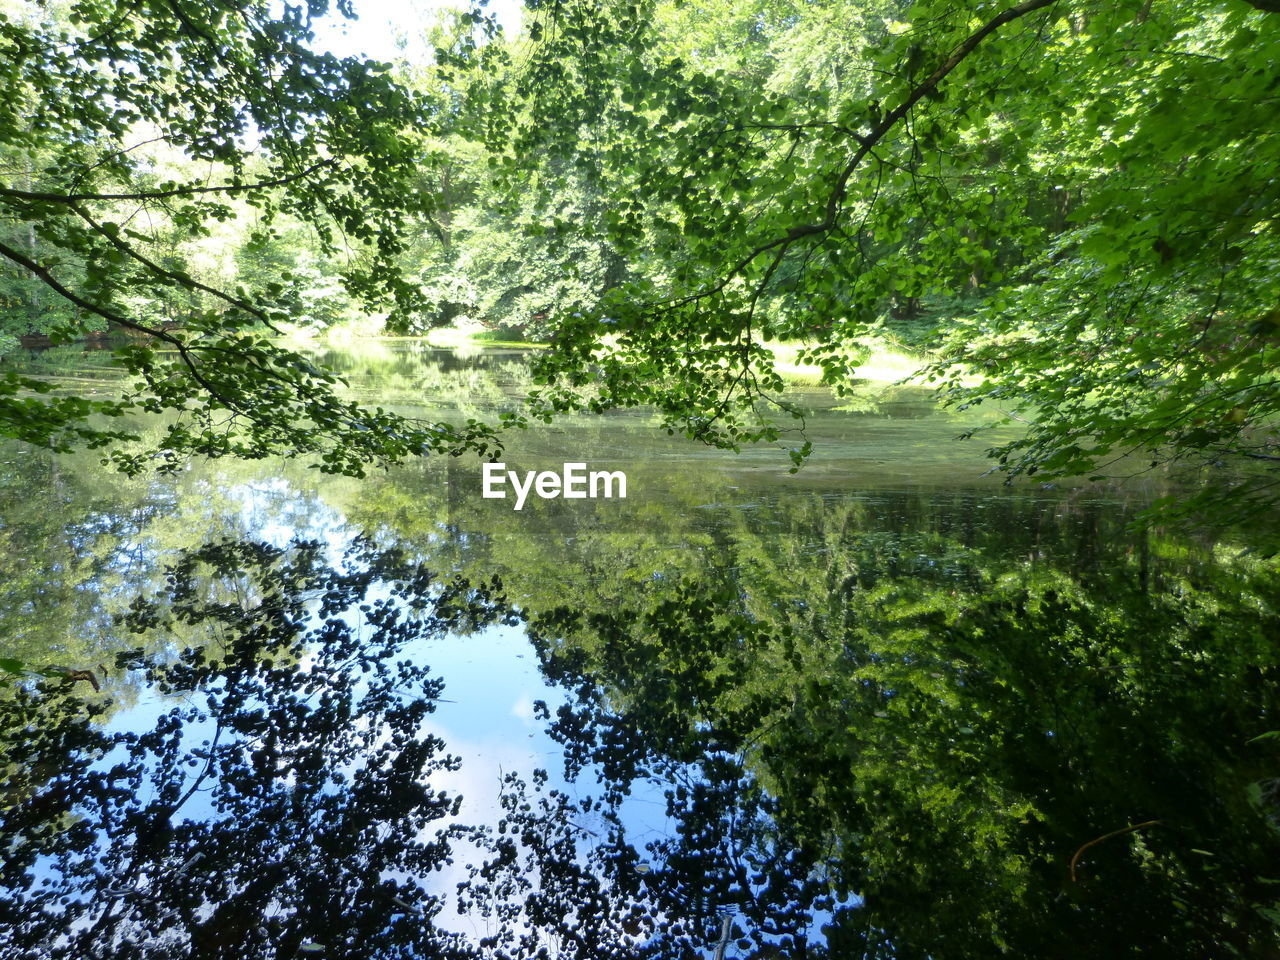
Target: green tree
x=1102, y=256
x=664, y=190
x=258, y=121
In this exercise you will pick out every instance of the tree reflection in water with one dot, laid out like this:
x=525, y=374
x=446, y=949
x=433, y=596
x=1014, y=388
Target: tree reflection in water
x=281, y=805
x=892, y=769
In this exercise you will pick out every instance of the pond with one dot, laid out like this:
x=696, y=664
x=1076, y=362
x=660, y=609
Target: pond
x=883, y=707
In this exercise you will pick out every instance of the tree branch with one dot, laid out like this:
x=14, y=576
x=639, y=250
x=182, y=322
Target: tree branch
x=71, y=198
x=22, y=260
x=177, y=343
x=923, y=89
x=1107, y=836
x=878, y=133
x=181, y=279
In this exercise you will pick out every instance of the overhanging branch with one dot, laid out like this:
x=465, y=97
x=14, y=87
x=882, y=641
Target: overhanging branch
x=191, y=190
x=184, y=352
x=181, y=279
x=878, y=132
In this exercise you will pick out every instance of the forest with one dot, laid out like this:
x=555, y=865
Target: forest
x=935, y=341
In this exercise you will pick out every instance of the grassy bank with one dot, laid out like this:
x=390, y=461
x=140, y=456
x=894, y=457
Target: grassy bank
x=877, y=359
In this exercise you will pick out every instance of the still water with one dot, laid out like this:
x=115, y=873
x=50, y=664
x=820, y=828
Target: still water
x=885, y=707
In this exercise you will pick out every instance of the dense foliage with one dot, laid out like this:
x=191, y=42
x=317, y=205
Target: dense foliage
x=914, y=724
x=132, y=131
x=1097, y=260
x=664, y=191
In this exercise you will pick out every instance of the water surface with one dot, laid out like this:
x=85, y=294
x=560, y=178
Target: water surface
x=885, y=707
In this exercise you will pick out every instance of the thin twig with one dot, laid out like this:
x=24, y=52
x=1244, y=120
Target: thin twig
x=1107, y=836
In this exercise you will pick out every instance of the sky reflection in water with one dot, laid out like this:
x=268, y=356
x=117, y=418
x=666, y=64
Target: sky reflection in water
x=886, y=677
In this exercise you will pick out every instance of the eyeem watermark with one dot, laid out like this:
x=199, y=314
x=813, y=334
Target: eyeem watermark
x=573, y=482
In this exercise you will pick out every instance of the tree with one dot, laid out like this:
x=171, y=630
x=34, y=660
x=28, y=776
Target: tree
x=1100, y=258
x=692, y=183
x=260, y=123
